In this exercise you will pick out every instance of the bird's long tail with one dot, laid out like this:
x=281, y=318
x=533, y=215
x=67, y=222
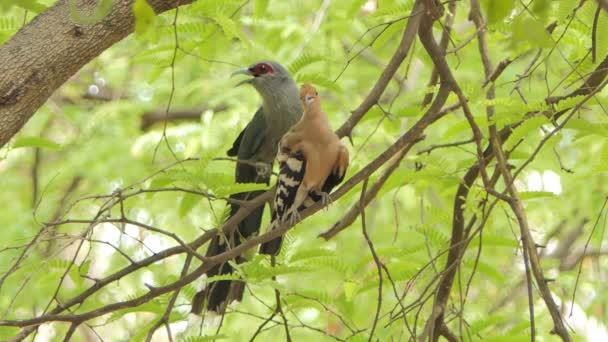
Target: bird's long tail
x=218, y=294
x=272, y=247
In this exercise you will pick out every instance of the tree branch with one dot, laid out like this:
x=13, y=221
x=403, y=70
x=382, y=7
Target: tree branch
x=409, y=34
x=149, y=119
x=51, y=48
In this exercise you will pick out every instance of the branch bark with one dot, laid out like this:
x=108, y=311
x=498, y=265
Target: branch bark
x=51, y=48
x=149, y=119
x=409, y=34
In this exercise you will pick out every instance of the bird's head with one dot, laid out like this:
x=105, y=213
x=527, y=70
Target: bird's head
x=308, y=95
x=265, y=76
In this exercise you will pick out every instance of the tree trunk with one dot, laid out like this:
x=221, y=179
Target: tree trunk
x=54, y=46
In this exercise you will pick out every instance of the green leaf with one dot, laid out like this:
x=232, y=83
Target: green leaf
x=586, y=127
x=144, y=16
x=350, y=288
x=532, y=31
x=153, y=306
x=259, y=8
x=409, y=111
x=541, y=7
x=187, y=203
x=318, y=79
x=393, y=12
x=8, y=24
x=527, y=128
x=84, y=268
x=498, y=241
x=30, y=5
x=229, y=27
x=35, y=142
x=160, y=182
x=480, y=325
x=183, y=176
x=497, y=10
x=302, y=61
x=490, y=271
x=7, y=332
x=311, y=253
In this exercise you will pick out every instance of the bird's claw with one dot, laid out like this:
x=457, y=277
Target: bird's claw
x=294, y=218
x=325, y=199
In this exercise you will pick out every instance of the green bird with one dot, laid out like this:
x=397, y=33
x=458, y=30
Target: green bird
x=257, y=146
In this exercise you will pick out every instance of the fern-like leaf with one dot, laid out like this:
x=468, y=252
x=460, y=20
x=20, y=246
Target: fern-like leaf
x=304, y=60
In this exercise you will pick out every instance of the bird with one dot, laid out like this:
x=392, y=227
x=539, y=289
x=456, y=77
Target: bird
x=312, y=161
x=255, y=149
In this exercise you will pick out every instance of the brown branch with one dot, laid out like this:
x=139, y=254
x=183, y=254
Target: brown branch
x=431, y=115
x=409, y=34
x=372, y=59
x=428, y=41
x=477, y=18
x=594, y=33
x=370, y=195
x=279, y=309
x=229, y=226
x=530, y=245
x=165, y=318
x=497, y=72
x=59, y=210
x=149, y=119
x=592, y=82
x=443, y=45
x=457, y=248
x=458, y=234
x=438, y=146
x=531, y=257
x=35, y=171
x=374, y=255
x=47, y=51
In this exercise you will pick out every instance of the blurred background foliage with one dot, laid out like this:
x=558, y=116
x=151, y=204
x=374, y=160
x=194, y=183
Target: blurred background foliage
x=97, y=135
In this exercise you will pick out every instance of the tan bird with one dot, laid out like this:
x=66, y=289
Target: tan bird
x=312, y=161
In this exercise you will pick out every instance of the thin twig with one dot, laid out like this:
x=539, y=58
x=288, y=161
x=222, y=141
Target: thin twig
x=374, y=255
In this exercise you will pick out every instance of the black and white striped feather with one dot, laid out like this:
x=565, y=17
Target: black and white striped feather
x=291, y=174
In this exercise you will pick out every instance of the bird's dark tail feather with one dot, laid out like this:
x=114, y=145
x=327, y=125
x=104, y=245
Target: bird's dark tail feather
x=272, y=247
x=217, y=295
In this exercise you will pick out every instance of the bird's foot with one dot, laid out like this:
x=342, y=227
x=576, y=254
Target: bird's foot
x=325, y=199
x=263, y=169
x=294, y=218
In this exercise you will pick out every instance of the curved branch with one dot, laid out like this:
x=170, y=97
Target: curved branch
x=409, y=34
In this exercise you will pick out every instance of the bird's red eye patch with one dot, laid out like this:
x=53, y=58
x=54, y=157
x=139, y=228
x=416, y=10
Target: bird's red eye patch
x=261, y=69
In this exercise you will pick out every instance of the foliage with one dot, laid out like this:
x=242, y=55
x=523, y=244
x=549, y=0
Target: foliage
x=84, y=149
